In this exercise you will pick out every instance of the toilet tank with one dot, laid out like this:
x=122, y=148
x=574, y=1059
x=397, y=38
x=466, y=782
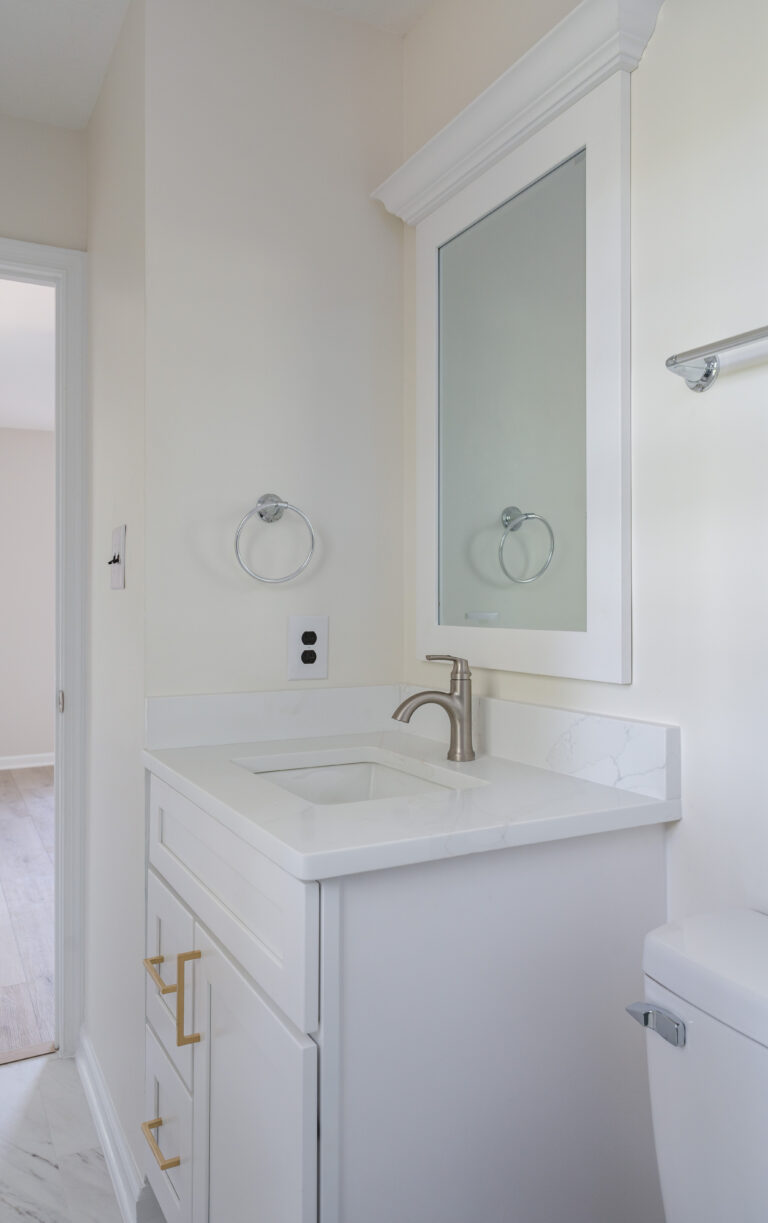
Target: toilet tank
x=709, y=1096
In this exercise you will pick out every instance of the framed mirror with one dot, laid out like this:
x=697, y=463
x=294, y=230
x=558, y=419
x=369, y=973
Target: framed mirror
x=512, y=418
x=523, y=401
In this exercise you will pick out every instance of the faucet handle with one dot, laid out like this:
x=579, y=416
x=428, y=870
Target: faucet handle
x=460, y=665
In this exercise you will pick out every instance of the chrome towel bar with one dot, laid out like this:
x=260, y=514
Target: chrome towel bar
x=701, y=366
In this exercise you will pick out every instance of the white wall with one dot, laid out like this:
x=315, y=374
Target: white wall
x=27, y=566
x=115, y=849
x=42, y=183
x=700, y=497
x=273, y=364
x=274, y=339
x=458, y=48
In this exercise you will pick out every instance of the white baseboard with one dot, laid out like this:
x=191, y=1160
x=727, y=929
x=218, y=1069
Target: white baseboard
x=135, y=1200
x=26, y=762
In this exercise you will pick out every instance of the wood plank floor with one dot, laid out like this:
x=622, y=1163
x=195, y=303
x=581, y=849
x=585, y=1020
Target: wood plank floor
x=26, y=909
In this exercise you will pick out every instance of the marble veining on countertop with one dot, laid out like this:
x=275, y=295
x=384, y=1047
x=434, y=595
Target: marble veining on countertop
x=514, y=805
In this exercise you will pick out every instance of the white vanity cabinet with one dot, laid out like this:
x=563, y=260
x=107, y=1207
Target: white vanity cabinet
x=246, y=1136
x=429, y=1043
x=232, y=1079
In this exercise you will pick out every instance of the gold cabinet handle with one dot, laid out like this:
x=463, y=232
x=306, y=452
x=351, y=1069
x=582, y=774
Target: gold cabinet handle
x=181, y=960
x=149, y=964
x=164, y=1164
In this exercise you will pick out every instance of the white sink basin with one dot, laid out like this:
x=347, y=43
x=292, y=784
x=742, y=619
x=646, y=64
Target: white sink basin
x=349, y=775
x=351, y=783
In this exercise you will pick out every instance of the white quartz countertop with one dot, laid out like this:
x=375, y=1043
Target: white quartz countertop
x=517, y=805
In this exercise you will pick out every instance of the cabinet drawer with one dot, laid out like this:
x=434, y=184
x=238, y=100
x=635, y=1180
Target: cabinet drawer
x=170, y=931
x=267, y=920
x=167, y=1100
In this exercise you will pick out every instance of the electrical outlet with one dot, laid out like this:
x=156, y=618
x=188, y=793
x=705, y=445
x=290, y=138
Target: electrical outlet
x=307, y=647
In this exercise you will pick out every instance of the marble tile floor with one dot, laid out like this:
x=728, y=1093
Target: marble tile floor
x=26, y=910
x=52, y=1168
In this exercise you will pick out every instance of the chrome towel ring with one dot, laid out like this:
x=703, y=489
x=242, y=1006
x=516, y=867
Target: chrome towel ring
x=270, y=508
x=512, y=519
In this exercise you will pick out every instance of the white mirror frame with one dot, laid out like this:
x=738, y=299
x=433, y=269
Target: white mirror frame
x=599, y=122
x=570, y=91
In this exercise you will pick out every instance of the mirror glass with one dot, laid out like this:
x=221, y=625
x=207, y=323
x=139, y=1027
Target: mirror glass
x=512, y=411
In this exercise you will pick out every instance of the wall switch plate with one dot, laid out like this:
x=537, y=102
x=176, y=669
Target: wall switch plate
x=117, y=559
x=307, y=647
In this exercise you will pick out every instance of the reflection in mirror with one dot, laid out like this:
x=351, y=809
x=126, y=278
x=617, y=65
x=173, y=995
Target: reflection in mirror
x=512, y=412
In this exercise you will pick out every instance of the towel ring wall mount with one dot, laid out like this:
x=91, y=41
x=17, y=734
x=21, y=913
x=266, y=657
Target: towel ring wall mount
x=512, y=519
x=269, y=509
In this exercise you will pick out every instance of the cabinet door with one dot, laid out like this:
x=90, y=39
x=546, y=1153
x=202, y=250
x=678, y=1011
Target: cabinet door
x=255, y=1102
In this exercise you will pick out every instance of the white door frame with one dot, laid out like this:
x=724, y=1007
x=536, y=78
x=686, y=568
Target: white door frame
x=65, y=270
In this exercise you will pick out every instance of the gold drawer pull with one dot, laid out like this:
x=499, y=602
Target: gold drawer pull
x=181, y=960
x=164, y=1164
x=149, y=964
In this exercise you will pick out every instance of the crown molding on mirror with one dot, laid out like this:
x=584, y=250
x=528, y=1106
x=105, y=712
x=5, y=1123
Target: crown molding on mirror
x=598, y=38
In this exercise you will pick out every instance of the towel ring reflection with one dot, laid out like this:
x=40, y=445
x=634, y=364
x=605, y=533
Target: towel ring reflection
x=512, y=519
x=270, y=508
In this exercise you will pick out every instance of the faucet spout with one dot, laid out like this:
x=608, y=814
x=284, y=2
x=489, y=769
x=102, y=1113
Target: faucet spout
x=457, y=704
x=408, y=707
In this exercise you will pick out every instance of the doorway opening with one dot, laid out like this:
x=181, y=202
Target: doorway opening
x=42, y=648
x=28, y=667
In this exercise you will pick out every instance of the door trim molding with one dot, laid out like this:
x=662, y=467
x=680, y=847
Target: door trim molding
x=65, y=270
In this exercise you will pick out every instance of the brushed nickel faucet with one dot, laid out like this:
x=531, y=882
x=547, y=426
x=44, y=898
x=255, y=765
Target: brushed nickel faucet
x=457, y=704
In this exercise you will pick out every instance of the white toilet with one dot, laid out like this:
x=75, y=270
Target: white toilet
x=706, y=1013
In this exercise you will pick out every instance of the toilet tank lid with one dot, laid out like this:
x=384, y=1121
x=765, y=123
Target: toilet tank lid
x=719, y=963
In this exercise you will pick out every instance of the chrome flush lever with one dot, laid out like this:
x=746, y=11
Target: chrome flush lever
x=659, y=1020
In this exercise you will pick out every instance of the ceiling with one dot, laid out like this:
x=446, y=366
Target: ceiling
x=53, y=56
x=54, y=53
x=395, y=15
x=27, y=355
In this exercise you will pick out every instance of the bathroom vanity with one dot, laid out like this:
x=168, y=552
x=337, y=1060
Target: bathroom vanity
x=400, y=985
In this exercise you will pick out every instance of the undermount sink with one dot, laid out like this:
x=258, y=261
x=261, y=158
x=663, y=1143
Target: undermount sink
x=351, y=783
x=355, y=775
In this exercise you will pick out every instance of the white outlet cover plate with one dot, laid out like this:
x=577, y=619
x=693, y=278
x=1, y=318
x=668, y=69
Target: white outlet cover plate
x=307, y=624
x=117, y=570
